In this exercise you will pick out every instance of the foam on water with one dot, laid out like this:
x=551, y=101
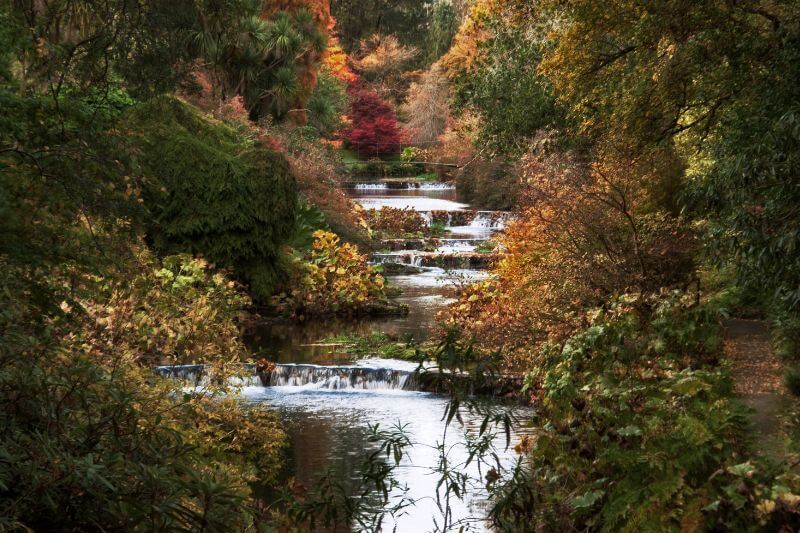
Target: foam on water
x=418, y=203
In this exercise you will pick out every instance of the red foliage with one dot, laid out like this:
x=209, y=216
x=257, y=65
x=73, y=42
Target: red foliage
x=374, y=129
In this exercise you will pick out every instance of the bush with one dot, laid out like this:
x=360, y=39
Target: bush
x=396, y=222
x=639, y=432
x=90, y=439
x=587, y=232
x=374, y=130
x=791, y=379
x=334, y=278
x=211, y=193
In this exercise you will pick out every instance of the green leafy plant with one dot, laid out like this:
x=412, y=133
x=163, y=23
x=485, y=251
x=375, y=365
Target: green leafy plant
x=213, y=192
x=334, y=278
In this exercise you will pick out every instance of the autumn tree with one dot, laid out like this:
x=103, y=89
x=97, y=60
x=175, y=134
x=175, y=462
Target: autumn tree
x=374, y=130
x=427, y=106
x=589, y=229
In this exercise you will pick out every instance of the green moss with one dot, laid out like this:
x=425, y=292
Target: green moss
x=213, y=192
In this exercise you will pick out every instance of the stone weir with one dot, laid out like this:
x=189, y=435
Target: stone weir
x=431, y=244
x=303, y=375
x=398, y=185
x=448, y=261
x=352, y=378
x=467, y=217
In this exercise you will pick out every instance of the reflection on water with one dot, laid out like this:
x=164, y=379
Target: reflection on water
x=329, y=429
x=299, y=342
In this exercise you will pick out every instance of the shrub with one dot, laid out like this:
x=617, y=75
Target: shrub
x=374, y=130
x=791, y=379
x=588, y=232
x=392, y=221
x=214, y=194
x=334, y=278
x=318, y=169
x=639, y=432
x=90, y=439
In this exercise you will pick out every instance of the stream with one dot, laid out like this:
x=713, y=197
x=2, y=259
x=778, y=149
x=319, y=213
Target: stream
x=327, y=400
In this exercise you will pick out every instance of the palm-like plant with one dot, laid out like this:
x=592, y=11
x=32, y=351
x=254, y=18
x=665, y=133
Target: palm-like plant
x=283, y=40
x=283, y=88
x=254, y=57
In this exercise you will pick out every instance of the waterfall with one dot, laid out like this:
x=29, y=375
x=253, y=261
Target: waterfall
x=457, y=245
x=195, y=375
x=340, y=377
x=402, y=258
x=431, y=186
x=400, y=185
x=303, y=375
x=468, y=219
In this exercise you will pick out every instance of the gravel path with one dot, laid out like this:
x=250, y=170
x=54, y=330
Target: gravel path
x=758, y=381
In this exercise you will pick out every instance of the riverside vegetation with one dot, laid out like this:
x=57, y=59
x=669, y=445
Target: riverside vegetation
x=171, y=173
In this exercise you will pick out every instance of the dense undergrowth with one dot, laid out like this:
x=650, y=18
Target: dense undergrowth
x=92, y=439
x=640, y=431
x=214, y=191
x=643, y=145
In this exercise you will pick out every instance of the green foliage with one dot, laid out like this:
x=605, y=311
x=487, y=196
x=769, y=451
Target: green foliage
x=90, y=439
x=409, y=154
x=376, y=344
x=212, y=193
x=639, y=431
x=328, y=103
x=333, y=278
x=261, y=59
x=503, y=87
x=791, y=378
x=309, y=220
x=356, y=20
x=750, y=191
x=442, y=27
x=430, y=177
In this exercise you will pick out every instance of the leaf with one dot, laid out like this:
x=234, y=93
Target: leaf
x=690, y=386
x=630, y=431
x=588, y=500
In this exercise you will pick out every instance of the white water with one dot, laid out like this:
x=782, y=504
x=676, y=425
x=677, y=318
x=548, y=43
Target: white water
x=418, y=203
x=341, y=377
x=328, y=428
x=450, y=246
x=327, y=410
x=408, y=186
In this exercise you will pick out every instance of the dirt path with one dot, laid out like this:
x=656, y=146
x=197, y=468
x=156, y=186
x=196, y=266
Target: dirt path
x=757, y=379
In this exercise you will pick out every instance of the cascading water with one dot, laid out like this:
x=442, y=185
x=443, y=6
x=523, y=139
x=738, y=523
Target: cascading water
x=329, y=406
x=302, y=375
x=403, y=185
x=341, y=377
x=198, y=375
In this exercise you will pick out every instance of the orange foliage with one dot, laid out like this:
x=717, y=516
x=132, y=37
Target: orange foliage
x=335, y=58
x=587, y=231
x=465, y=50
